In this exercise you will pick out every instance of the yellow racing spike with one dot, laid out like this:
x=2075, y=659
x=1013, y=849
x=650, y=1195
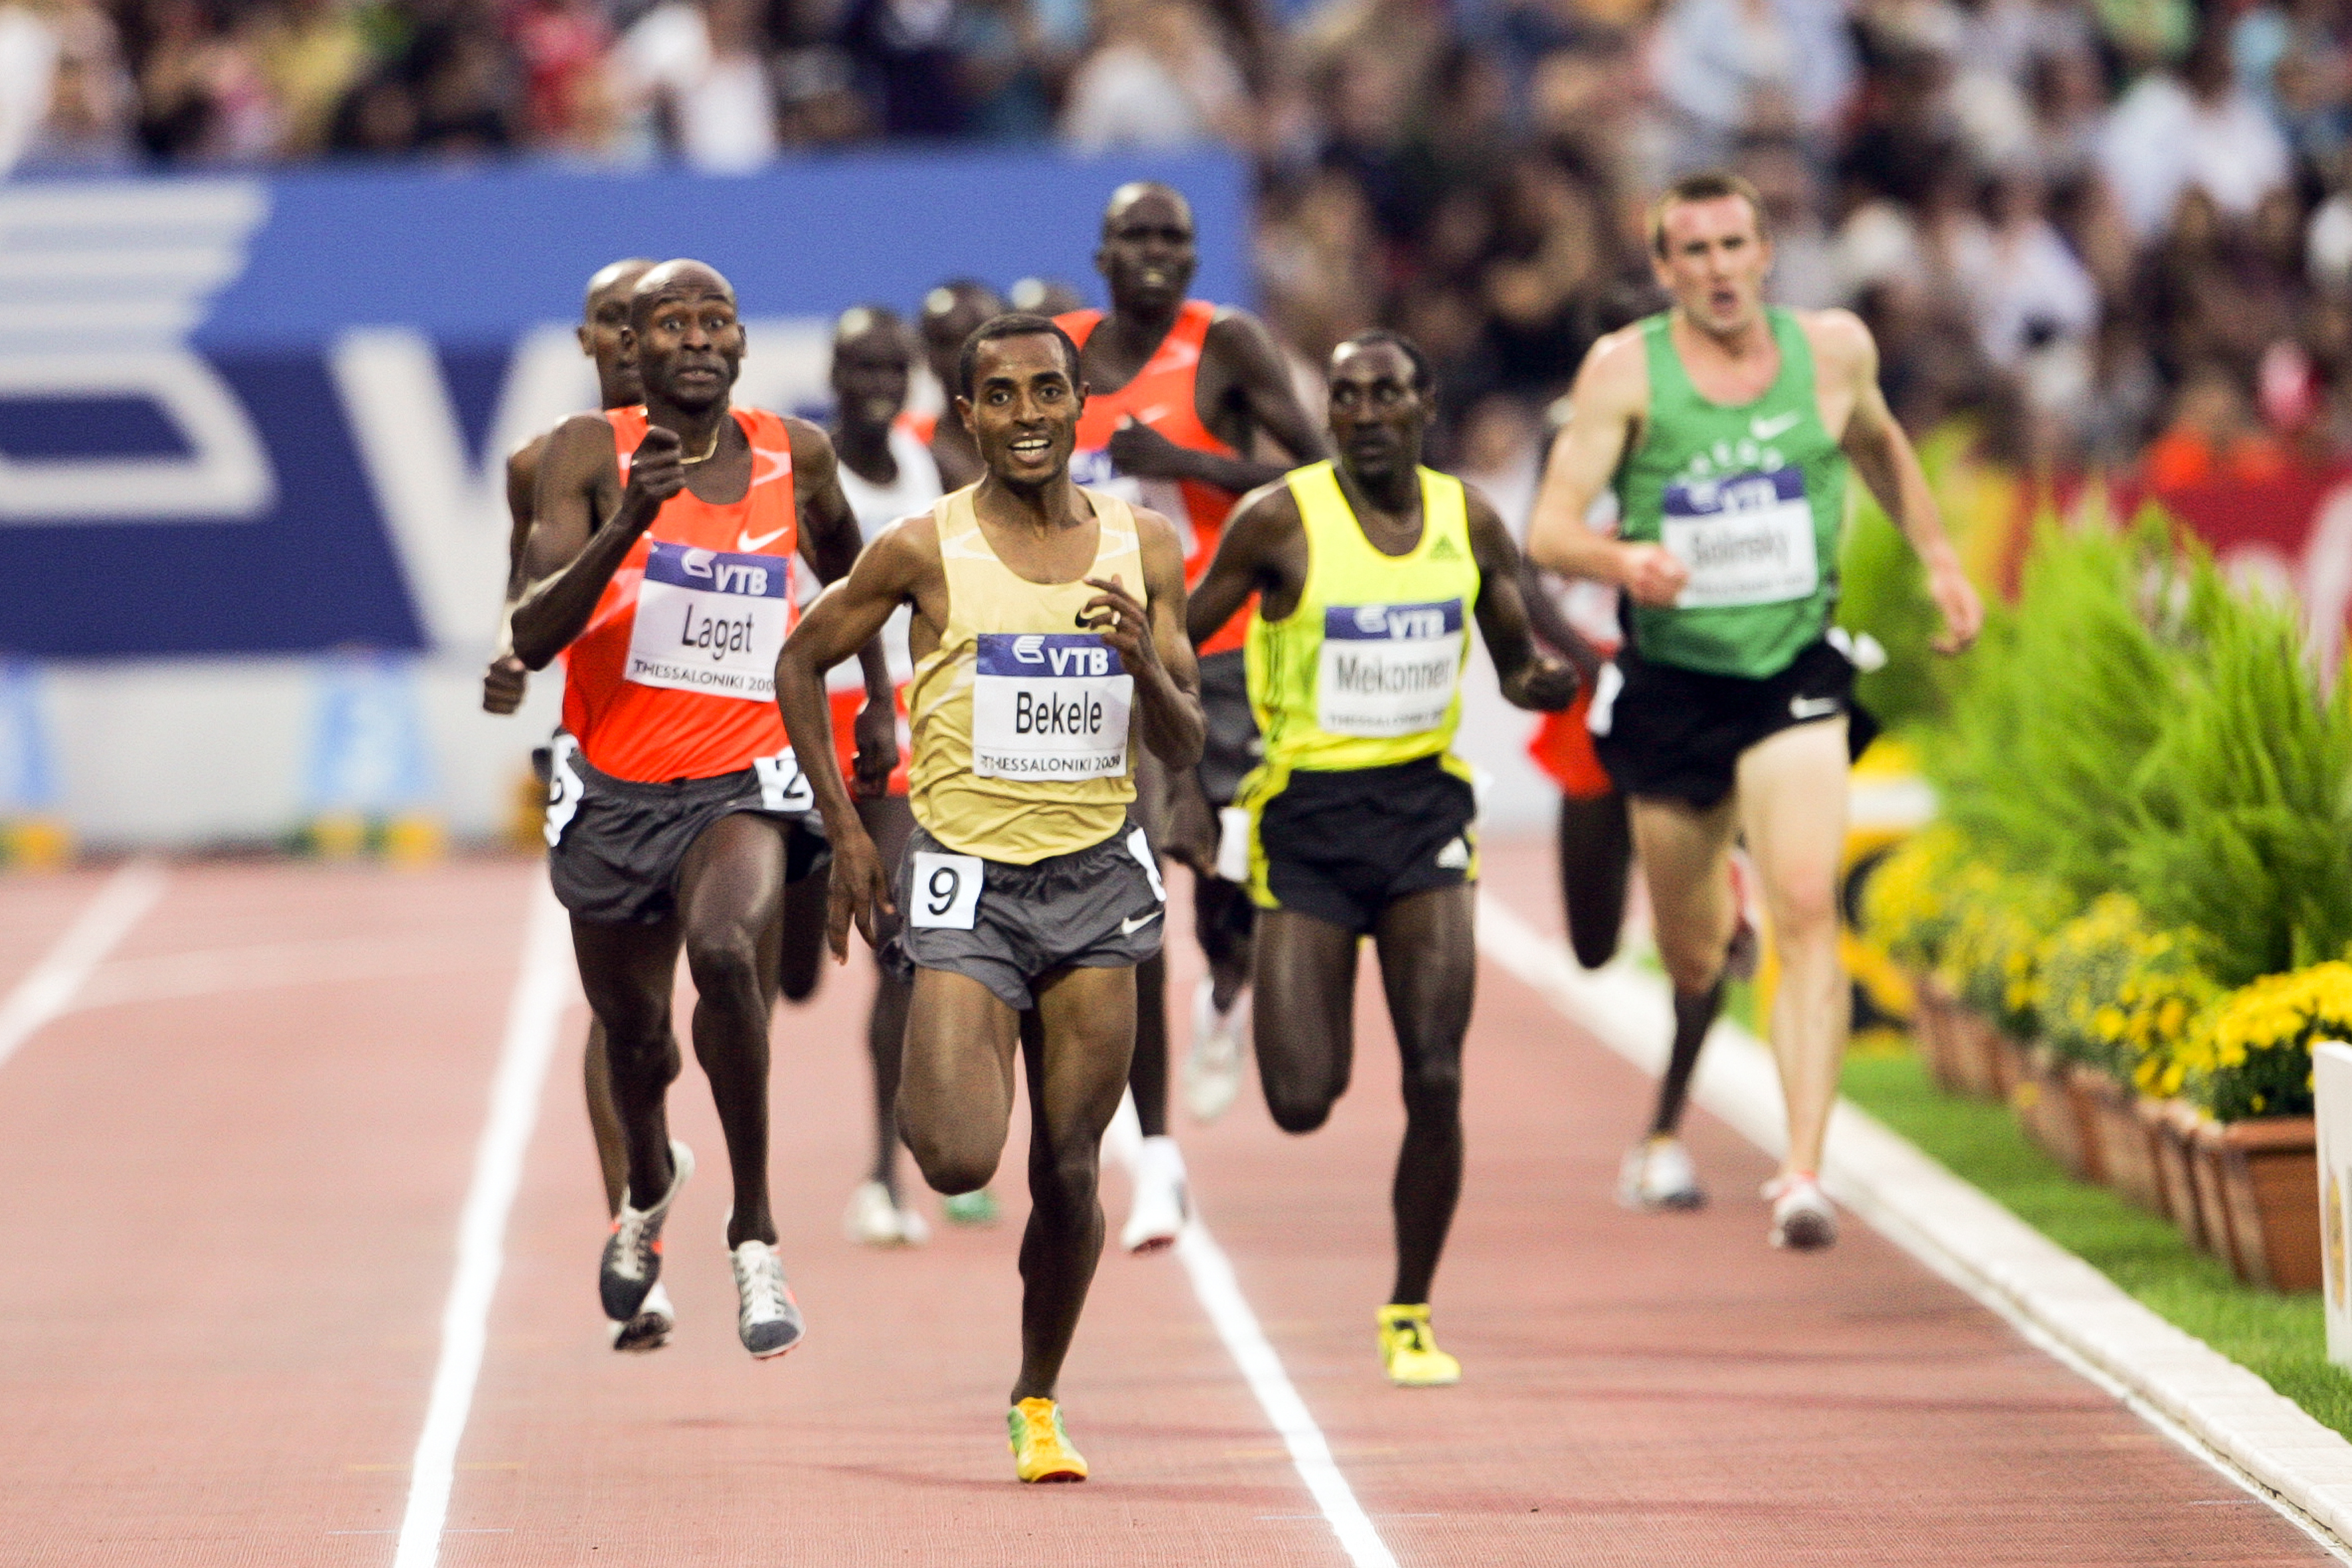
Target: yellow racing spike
x=1409, y=1351
x=1041, y=1448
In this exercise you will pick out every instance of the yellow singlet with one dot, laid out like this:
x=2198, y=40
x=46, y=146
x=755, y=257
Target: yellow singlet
x=1019, y=719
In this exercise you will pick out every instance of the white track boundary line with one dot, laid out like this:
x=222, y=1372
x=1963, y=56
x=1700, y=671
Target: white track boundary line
x=49, y=989
x=2212, y=1406
x=1220, y=1295
x=541, y=991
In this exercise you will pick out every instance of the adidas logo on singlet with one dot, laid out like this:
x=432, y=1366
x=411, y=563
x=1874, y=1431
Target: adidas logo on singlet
x=1443, y=550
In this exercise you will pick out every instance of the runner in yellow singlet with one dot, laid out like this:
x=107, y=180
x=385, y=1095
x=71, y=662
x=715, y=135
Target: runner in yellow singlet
x=1048, y=637
x=1362, y=822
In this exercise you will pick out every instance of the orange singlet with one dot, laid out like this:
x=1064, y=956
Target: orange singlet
x=675, y=676
x=1162, y=396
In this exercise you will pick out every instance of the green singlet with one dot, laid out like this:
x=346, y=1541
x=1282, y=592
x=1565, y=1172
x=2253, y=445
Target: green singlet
x=1751, y=498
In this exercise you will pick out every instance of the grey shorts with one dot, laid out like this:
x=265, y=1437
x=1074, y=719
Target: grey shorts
x=615, y=845
x=1009, y=926
x=1234, y=745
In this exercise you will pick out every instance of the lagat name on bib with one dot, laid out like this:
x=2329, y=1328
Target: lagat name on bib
x=711, y=621
x=1049, y=705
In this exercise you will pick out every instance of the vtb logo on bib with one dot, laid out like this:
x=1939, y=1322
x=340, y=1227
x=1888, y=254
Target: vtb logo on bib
x=1388, y=670
x=1049, y=705
x=711, y=621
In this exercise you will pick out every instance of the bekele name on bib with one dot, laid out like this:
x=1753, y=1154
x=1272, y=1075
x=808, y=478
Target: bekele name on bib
x=1388, y=669
x=1748, y=539
x=711, y=621
x=1049, y=705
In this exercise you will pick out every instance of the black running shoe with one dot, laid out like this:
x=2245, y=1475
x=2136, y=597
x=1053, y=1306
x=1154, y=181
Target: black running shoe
x=633, y=1252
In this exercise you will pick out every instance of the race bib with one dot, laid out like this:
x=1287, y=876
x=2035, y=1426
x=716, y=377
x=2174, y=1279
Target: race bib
x=1049, y=705
x=1747, y=539
x=946, y=890
x=1388, y=669
x=563, y=787
x=782, y=785
x=711, y=621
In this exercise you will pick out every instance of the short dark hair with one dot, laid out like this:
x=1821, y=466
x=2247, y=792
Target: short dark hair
x=1711, y=186
x=1013, y=324
x=1424, y=378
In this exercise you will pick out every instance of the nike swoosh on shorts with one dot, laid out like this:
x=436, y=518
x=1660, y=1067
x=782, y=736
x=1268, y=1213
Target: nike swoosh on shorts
x=1129, y=928
x=1813, y=707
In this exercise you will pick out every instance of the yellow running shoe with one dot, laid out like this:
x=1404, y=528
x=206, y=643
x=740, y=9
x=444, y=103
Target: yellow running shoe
x=1041, y=1448
x=1410, y=1351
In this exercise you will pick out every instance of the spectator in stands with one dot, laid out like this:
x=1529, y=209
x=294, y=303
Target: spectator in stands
x=2194, y=129
x=1160, y=78
x=694, y=82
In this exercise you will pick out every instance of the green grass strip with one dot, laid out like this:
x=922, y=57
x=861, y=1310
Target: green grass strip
x=2281, y=1339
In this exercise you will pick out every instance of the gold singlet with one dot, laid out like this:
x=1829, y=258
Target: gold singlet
x=1020, y=718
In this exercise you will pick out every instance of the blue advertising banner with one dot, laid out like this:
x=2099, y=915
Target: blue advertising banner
x=267, y=415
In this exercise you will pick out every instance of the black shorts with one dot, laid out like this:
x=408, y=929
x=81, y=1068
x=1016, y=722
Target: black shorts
x=1008, y=926
x=1234, y=746
x=615, y=845
x=1665, y=732
x=1342, y=846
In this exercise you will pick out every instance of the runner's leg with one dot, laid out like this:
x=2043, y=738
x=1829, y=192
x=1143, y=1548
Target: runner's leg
x=955, y=1083
x=1305, y=1024
x=731, y=907
x=1147, y=1075
x=1596, y=851
x=889, y=821
x=1683, y=852
x=1792, y=795
x=1429, y=970
x=604, y=1122
x=800, y=954
x=627, y=972
x=1223, y=922
x=1072, y=1048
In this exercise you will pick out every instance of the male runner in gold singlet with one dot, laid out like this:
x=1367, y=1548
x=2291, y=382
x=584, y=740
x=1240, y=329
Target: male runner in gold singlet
x=1727, y=430
x=1363, y=821
x=1048, y=637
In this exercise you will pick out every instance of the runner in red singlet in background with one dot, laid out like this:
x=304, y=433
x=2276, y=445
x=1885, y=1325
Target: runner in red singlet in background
x=660, y=565
x=1177, y=392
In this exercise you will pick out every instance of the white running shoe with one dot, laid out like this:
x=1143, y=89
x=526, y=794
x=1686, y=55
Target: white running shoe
x=873, y=1220
x=1162, y=1202
x=632, y=1260
x=1213, y=1068
x=1658, y=1175
x=1803, y=1219
x=768, y=1320
x=650, y=1329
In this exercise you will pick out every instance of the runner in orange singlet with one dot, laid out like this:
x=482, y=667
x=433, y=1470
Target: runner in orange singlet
x=661, y=567
x=951, y=312
x=1177, y=392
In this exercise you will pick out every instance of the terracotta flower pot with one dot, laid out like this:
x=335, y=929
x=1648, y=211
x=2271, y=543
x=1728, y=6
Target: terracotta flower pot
x=1975, y=1054
x=1936, y=1025
x=2261, y=1179
x=2126, y=1153
x=2010, y=1065
x=2172, y=1128
x=2054, y=1117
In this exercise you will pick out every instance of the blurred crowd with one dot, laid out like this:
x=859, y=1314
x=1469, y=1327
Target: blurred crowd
x=2105, y=231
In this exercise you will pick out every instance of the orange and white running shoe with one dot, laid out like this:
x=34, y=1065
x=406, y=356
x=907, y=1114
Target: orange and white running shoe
x=632, y=1260
x=1802, y=1217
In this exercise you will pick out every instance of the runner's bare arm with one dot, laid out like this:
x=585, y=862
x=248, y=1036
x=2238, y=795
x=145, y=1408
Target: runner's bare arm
x=1881, y=454
x=844, y=618
x=506, y=681
x=1245, y=351
x=1530, y=678
x=1151, y=643
x=1260, y=552
x=1551, y=628
x=1605, y=411
x=569, y=558
x=830, y=530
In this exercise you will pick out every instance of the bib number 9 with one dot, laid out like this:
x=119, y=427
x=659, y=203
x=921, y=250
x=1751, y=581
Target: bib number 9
x=945, y=891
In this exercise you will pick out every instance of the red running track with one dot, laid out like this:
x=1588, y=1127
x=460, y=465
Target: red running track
x=237, y=1167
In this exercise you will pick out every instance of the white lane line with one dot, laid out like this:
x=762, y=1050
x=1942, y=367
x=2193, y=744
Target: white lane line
x=541, y=991
x=1220, y=1297
x=2210, y=1405
x=105, y=920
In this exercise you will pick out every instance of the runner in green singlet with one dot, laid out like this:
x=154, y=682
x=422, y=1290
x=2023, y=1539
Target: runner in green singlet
x=1727, y=430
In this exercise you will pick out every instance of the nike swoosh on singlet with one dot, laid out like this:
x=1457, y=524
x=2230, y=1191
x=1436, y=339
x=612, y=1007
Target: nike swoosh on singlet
x=747, y=543
x=1779, y=424
x=1129, y=928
